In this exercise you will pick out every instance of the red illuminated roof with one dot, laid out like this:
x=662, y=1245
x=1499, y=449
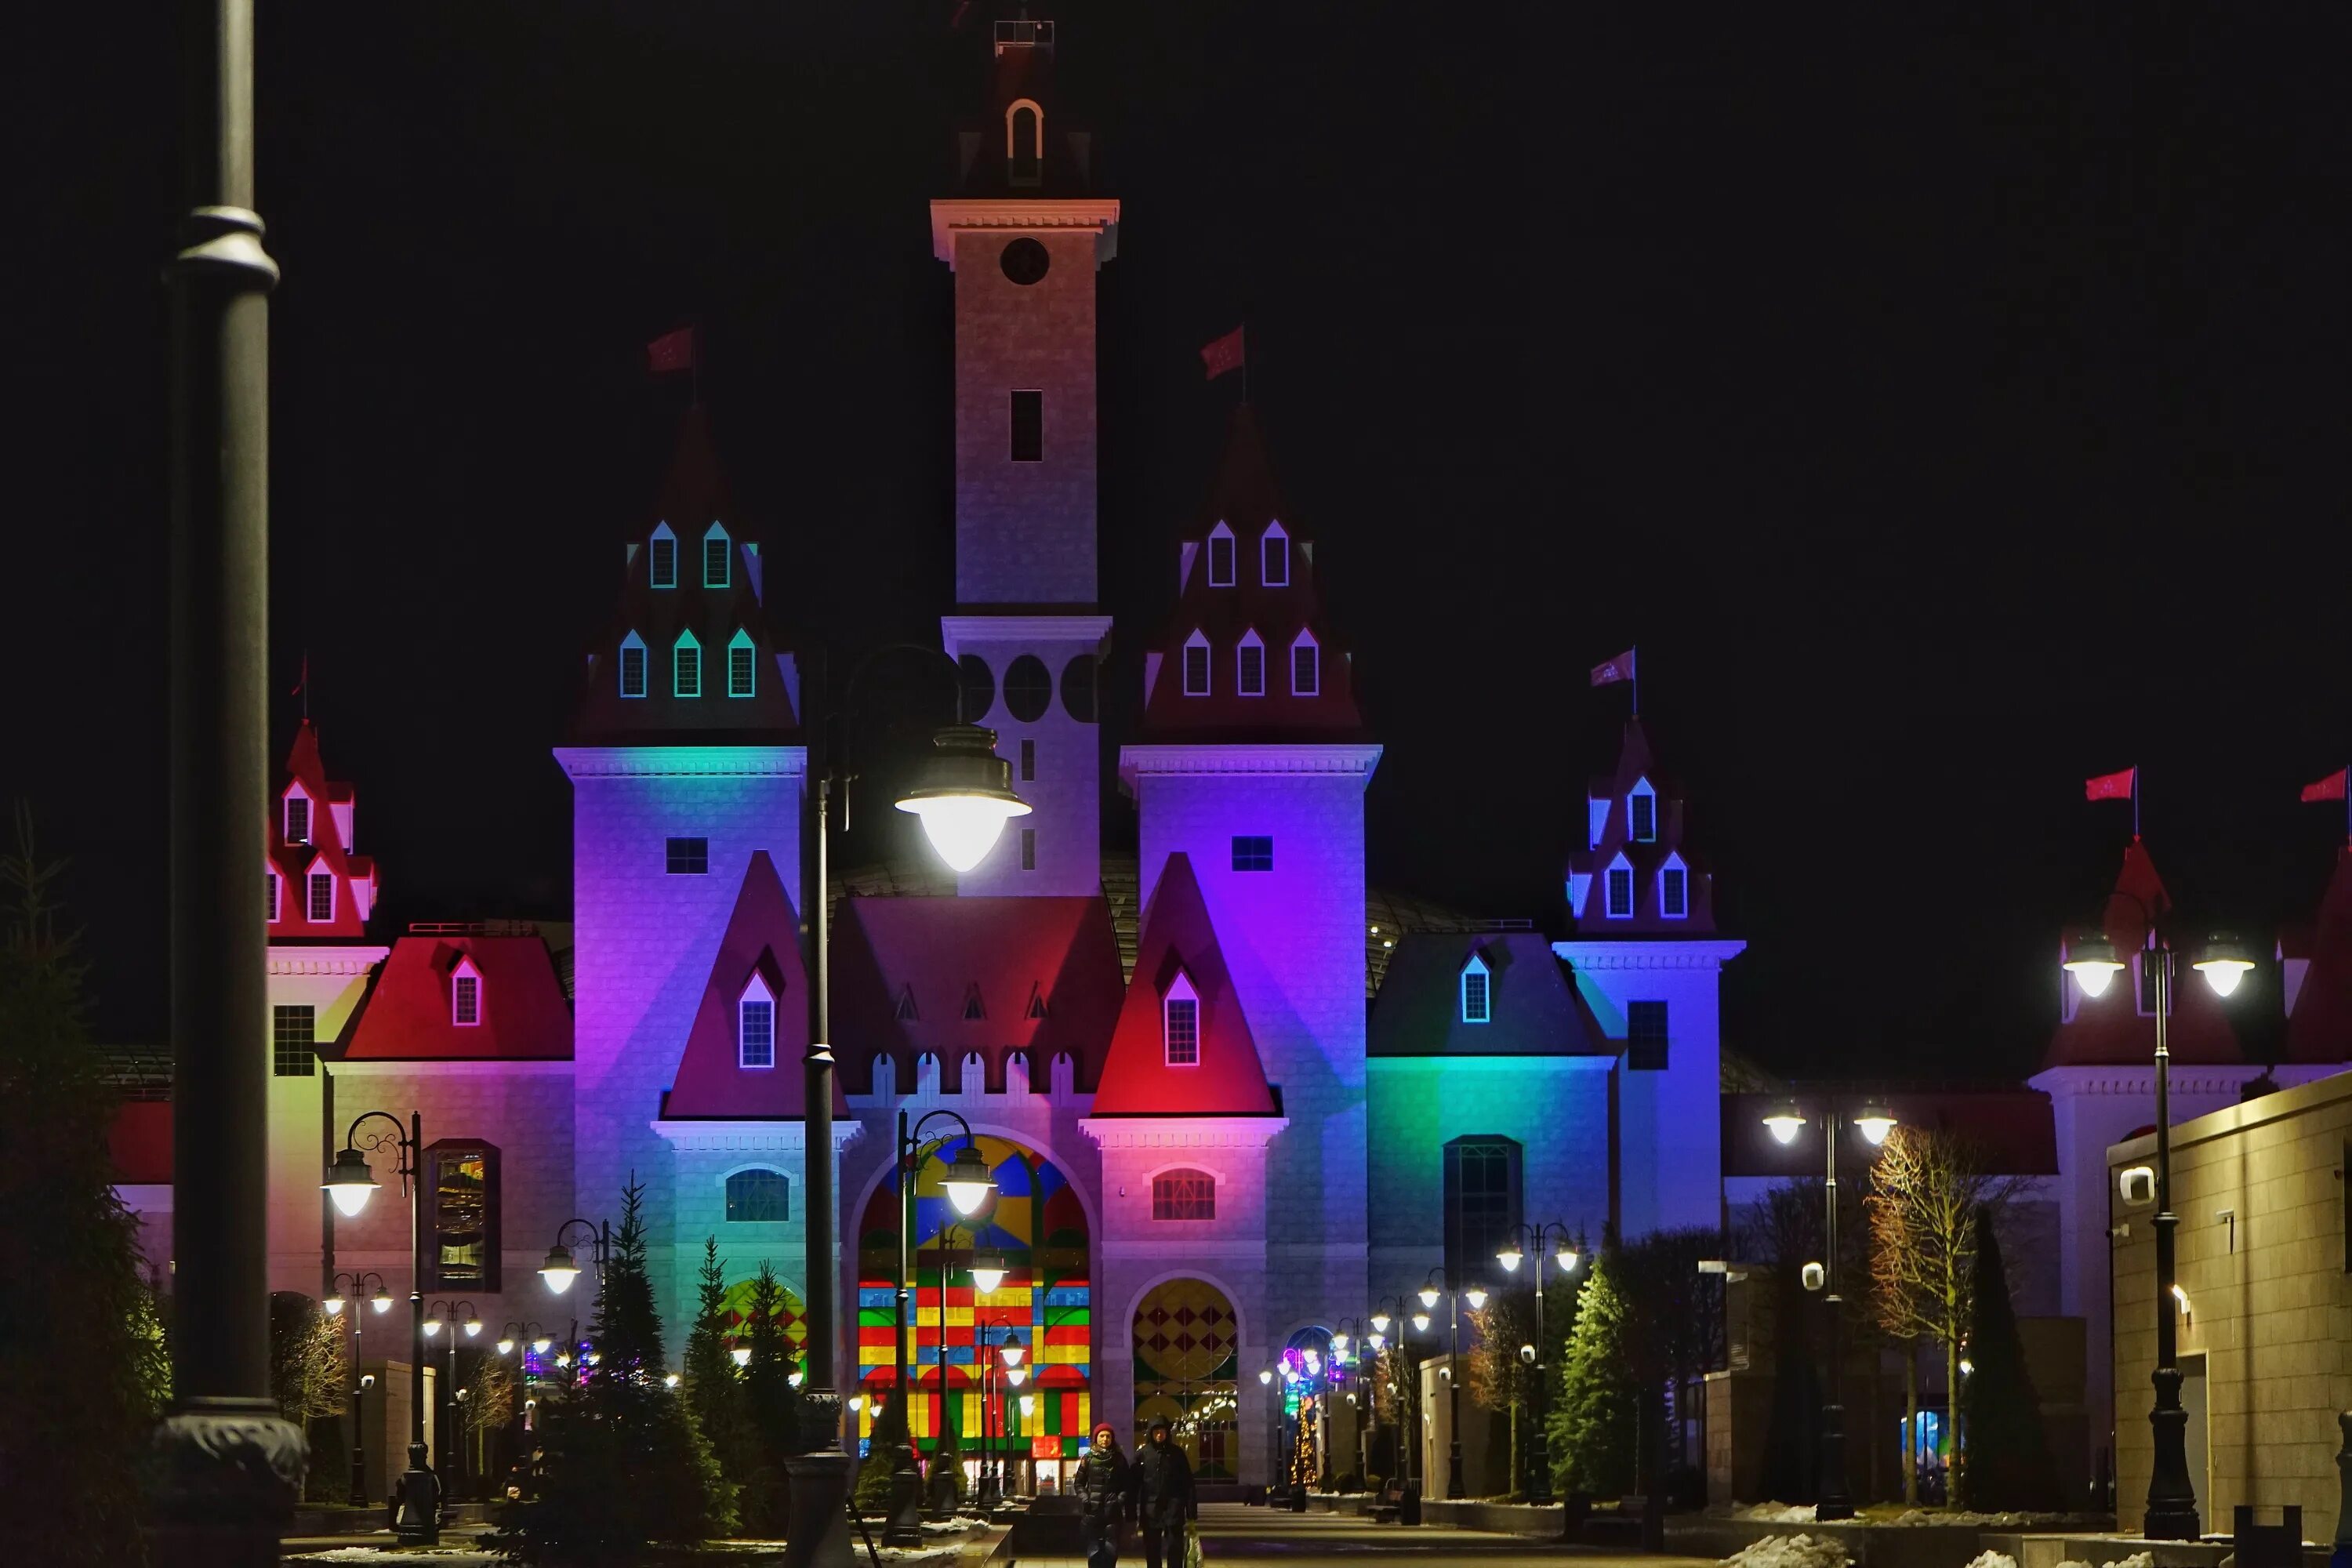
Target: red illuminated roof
x=2320, y=1027
x=2111, y=1030
x=325, y=850
x=409, y=1013
x=762, y=938
x=1229, y=1080
x=139, y=1141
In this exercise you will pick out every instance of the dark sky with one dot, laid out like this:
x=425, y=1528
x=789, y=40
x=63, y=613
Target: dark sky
x=1948, y=399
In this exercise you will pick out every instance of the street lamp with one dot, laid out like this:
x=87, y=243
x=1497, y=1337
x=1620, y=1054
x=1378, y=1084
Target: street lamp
x=444, y=1420
x=967, y=1184
x=1511, y=1255
x=2223, y=959
x=334, y=1301
x=350, y=1184
x=1875, y=1120
x=560, y=1267
x=1440, y=1281
x=1406, y=1385
x=965, y=798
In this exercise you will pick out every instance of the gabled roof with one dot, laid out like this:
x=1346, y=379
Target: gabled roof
x=2320, y=1027
x=2011, y=1129
x=905, y=969
x=762, y=938
x=356, y=885
x=408, y=1015
x=1531, y=1010
x=2110, y=1030
x=694, y=494
x=1244, y=501
x=1178, y=938
x=1608, y=797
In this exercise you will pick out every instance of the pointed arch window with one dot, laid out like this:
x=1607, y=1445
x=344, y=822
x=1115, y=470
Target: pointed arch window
x=1674, y=889
x=1306, y=665
x=1619, y=905
x=1477, y=992
x=717, y=552
x=1642, y=813
x=632, y=666
x=755, y=1025
x=686, y=666
x=1221, y=557
x=1274, y=557
x=1196, y=665
x=466, y=994
x=1180, y=1023
x=1025, y=136
x=1249, y=660
x=742, y=666
x=661, y=566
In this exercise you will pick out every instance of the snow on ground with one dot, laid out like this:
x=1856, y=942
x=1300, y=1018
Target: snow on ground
x=1778, y=1513
x=1992, y=1559
x=1790, y=1552
x=1981, y=1521
x=2136, y=1559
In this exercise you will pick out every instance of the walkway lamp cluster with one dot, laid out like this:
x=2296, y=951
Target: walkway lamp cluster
x=1521, y=1240
x=967, y=1184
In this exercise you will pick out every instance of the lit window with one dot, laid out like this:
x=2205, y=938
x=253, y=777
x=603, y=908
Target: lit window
x=1306, y=667
x=717, y=550
x=1221, y=557
x=1196, y=665
x=464, y=1245
x=664, y=565
x=1641, y=810
x=686, y=857
x=1674, y=890
x=1183, y=1195
x=686, y=666
x=741, y=654
x=1252, y=852
x=1645, y=1036
x=323, y=896
x=465, y=997
x=293, y=1042
x=297, y=819
x=758, y=1196
x=1181, y=1024
x=1477, y=999
x=632, y=666
x=1275, y=557
x=1251, y=666
x=756, y=1040
x=1028, y=426
x=1621, y=890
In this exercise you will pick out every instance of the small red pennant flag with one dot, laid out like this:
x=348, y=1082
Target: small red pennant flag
x=2110, y=787
x=1615, y=669
x=671, y=353
x=2329, y=788
x=1222, y=355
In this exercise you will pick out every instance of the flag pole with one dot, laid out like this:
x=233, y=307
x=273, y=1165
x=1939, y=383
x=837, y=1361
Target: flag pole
x=2135, y=803
x=1635, y=674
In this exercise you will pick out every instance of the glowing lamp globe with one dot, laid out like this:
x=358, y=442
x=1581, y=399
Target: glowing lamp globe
x=987, y=1273
x=1376, y=1341
x=333, y=1305
x=670, y=1380
x=542, y=1344
x=1429, y=1295
x=1876, y=1122
x=350, y=1183
x=795, y=1378
x=380, y=1300
x=968, y=1184
x=505, y=1347
x=2223, y=961
x=1380, y=1322
x=2091, y=960
x=1511, y=1257
x=1786, y=1121
x=1017, y=1376
x=1339, y=1346
x=965, y=795
x=559, y=1270
x=1421, y=1323
x=1566, y=1258
x=1011, y=1352
x=1475, y=1295
x=742, y=1354
x=432, y=1324
x=473, y=1327
x=1028, y=1404
x=1265, y=1374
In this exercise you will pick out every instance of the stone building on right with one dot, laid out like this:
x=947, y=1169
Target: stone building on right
x=2265, y=1270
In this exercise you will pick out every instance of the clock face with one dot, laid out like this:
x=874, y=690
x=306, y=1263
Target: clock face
x=1025, y=261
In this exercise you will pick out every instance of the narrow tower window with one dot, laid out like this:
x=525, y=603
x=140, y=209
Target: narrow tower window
x=1621, y=889
x=632, y=666
x=1642, y=814
x=756, y=1026
x=297, y=819
x=272, y=891
x=1221, y=557
x=716, y=549
x=1251, y=665
x=1275, y=552
x=1025, y=133
x=1196, y=665
x=663, y=565
x=1674, y=889
x=686, y=666
x=466, y=995
x=1306, y=667
x=1028, y=426
x=1181, y=1024
x=742, y=666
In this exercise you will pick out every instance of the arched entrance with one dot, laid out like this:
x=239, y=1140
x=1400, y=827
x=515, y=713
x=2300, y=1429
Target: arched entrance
x=1035, y=1223
x=1309, y=1372
x=1187, y=1347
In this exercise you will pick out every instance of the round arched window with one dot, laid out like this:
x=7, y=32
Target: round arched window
x=1078, y=688
x=1028, y=688
x=978, y=688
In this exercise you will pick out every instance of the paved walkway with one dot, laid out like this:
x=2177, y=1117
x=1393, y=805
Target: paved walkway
x=1231, y=1533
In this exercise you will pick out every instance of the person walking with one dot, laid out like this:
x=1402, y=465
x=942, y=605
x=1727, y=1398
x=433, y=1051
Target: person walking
x=1106, y=1494
x=1163, y=1498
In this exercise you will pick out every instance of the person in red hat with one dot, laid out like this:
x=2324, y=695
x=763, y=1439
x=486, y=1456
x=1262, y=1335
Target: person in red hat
x=1106, y=1487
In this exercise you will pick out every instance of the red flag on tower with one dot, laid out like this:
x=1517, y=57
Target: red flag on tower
x=2329, y=788
x=671, y=353
x=1227, y=353
x=1615, y=669
x=2110, y=787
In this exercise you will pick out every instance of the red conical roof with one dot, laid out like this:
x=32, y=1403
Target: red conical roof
x=1229, y=1080
x=763, y=939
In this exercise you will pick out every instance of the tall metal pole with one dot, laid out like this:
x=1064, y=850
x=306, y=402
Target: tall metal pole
x=419, y=1521
x=2171, y=1495
x=1454, y=1483
x=905, y=1527
x=1836, y=1501
x=230, y=1465
x=1540, y=1484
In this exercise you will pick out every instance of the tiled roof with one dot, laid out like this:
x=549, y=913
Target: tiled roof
x=1228, y=1078
x=2011, y=1127
x=1531, y=1009
x=409, y=1013
x=2320, y=1027
x=1587, y=868
x=762, y=938
x=2111, y=1030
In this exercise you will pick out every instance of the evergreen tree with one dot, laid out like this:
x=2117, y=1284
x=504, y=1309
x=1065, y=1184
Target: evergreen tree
x=769, y=1403
x=627, y=1329
x=80, y=1337
x=713, y=1387
x=2005, y=1460
x=1591, y=1426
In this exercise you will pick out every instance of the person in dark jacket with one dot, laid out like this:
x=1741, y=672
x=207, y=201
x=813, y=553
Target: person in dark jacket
x=1163, y=1498
x=1106, y=1493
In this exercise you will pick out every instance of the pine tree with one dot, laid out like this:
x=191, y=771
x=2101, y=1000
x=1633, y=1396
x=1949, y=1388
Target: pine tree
x=873, y=1491
x=627, y=1329
x=2005, y=1459
x=1592, y=1426
x=713, y=1387
x=769, y=1403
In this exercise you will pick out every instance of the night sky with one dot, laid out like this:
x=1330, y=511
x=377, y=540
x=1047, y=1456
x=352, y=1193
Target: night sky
x=1949, y=400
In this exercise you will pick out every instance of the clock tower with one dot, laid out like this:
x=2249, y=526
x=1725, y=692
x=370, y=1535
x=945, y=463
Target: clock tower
x=1024, y=235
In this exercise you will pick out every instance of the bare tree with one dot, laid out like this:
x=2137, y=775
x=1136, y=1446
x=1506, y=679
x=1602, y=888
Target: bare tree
x=305, y=1358
x=1496, y=1376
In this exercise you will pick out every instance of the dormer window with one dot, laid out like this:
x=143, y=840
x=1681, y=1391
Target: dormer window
x=1642, y=814
x=1221, y=557
x=755, y=1025
x=466, y=994
x=321, y=908
x=1274, y=552
x=632, y=666
x=1476, y=990
x=1250, y=665
x=1306, y=665
x=716, y=549
x=1180, y=1024
x=1196, y=665
x=663, y=565
x=686, y=666
x=1620, y=906
x=1674, y=889
x=1024, y=134
x=297, y=819
x=742, y=664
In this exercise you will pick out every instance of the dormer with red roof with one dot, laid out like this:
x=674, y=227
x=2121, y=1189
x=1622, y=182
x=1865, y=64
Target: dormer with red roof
x=1634, y=875
x=317, y=886
x=742, y=1058
x=1183, y=1045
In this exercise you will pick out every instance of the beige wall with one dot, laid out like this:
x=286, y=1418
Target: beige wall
x=2270, y=1303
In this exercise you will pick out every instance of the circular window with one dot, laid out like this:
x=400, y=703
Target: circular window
x=978, y=688
x=1028, y=690
x=1078, y=688
x=1025, y=261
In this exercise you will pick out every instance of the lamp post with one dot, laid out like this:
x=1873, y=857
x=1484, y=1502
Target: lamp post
x=1408, y=1402
x=1876, y=1122
x=1510, y=1256
x=379, y=1299
x=968, y=1184
x=1439, y=1278
x=2223, y=961
x=350, y=1183
x=994, y=1368
x=461, y=1317
x=1348, y=1340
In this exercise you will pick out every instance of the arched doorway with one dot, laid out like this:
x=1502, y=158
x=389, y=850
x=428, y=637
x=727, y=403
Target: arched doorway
x=1309, y=1372
x=1187, y=1347
x=1035, y=1223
